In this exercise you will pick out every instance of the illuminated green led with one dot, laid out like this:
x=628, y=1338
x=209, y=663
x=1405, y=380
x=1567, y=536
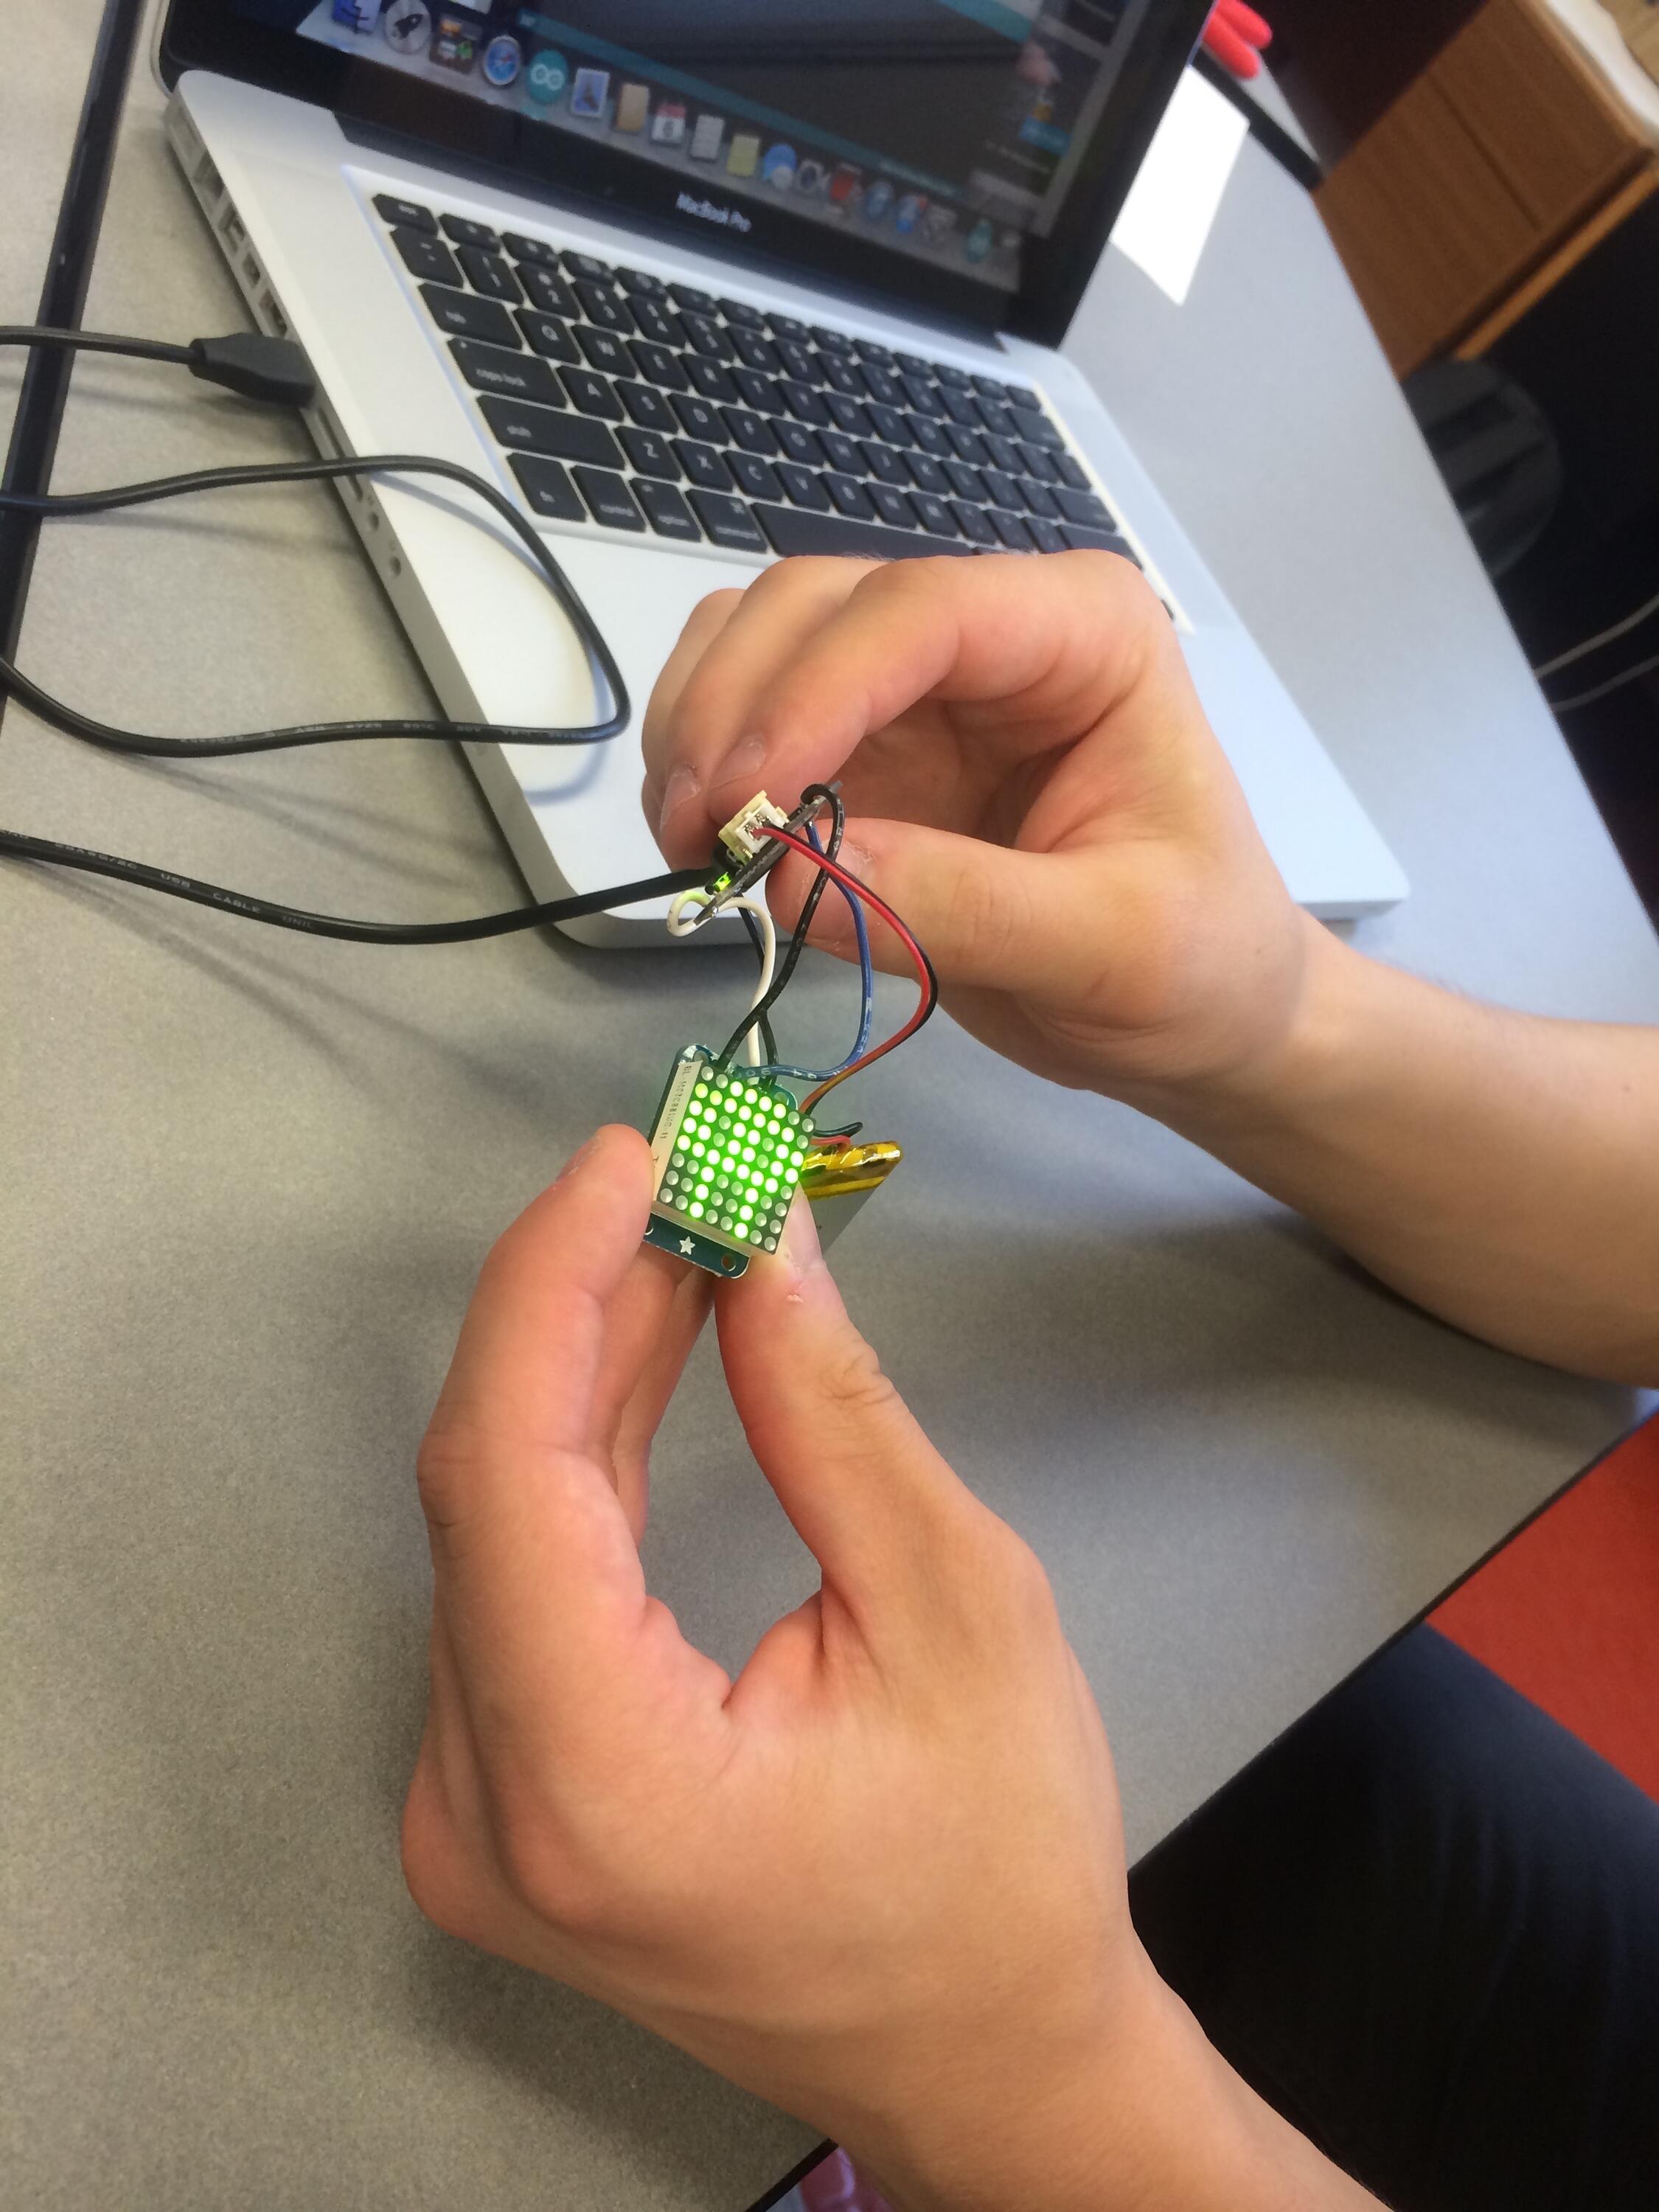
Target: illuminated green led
x=791, y=1175
x=694, y=1210
x=740, y=1231
x=771, y=1183
x=745, y=1213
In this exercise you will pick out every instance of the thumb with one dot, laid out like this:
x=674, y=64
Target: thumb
x=989, y=917
x=879, y=1509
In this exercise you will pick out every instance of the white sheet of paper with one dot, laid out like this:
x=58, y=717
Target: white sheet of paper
x=1173, y=201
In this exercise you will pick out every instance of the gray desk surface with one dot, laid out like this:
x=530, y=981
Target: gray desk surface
x=249, y=1177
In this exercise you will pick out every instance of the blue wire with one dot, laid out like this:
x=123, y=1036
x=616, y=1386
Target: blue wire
x=867, y=981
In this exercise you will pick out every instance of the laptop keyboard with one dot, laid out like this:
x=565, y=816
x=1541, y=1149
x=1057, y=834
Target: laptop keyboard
x=651, y=407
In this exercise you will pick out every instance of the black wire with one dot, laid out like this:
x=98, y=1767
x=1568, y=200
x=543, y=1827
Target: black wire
x=33, y=334
x=53, y=506
x=279, y=916
x=763, y=1007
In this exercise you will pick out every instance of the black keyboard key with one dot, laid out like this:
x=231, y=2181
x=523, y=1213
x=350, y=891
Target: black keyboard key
x=427, y=257
x=1103, y=541
x=914, y=365
x=935, y=514
x=653, y=321
x=592, y=393
x=540, y=431
x=973, y=522
x=788, y=326
x=492, y=369
x=760, y=392
x=1085, y=507
x=850, y=497
x=698, y=419
x=848, y=415
x=1071, y=471
x=650, y=454
x=988, y=388
x=469, y=317
x=804, y=486
x=1037, y=461
x=882, y=385
x=740, y=312
x=1002, y=490
x=536, y=251
x=701, y=303
x=549, y=334
x=928, y=435
x=753, y=432
x=405, y=215
x=954, y=379
x=805, y=404
x=708, y=378
x=488, y=274
x=1023, y=397
x=658, y=366
x=704, y=336
x=648, y=408
x=968, y=444
x=800, y=443
x=889, y=425
x=548, y=290
x=962, y=407
x=643, y=283
x=703, y=466
x=1038, y=499
x=967, y=482
x=793, y=531
x=586, y=264
x=465, y=232
x=870, y=349
x=756, y=477
x=667, y=513
x=1040, y=430
x=1000, y=419
x=600, y=305
x=602, y=350
x=728, y=522
x=882, y=461
x=842, y=453
x=930, y=474
x=1011, y=529
x=799, y=360
x=838, y=376
x=754, y=352
x=1004, y=452
x=1047, y=534
x=892, y=506
x=548, y=488
x=927, y=399
x=608, y=499
x=830, y=341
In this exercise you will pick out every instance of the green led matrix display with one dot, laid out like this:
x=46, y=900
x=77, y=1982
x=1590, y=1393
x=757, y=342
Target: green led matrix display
x=728, y=1146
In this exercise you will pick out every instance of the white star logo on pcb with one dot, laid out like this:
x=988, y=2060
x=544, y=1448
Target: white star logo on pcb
x=687, y=1246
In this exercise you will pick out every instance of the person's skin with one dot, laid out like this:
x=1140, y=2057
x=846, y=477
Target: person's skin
x=880, y=1878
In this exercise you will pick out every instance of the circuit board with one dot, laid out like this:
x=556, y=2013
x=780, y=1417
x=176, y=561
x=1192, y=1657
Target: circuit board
x=728, y=1145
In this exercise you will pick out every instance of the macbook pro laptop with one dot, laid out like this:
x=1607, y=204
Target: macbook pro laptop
x=704, y=283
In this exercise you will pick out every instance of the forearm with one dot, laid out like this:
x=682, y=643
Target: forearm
x=1501, y=1170
x=1165, y=2126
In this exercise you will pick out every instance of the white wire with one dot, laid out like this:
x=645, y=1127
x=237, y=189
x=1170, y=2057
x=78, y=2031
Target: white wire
x=680, y=924
x=1602, y=637
x=1600, y=691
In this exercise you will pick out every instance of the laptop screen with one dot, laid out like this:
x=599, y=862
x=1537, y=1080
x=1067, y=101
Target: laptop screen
x=944, y=130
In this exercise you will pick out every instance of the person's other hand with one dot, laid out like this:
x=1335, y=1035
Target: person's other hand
x=879, y=1877
x=1031, y=784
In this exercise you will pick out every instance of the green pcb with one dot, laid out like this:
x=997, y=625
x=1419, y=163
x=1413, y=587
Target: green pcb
x=728, y=1145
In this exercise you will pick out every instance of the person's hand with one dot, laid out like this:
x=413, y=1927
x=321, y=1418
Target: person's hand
x=1031, y=784
x=879, y=1878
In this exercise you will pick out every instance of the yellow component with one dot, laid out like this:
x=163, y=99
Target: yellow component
x=845, y=1170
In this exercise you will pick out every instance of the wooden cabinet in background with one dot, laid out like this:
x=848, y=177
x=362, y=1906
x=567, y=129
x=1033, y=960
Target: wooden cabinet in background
x=1504, y=162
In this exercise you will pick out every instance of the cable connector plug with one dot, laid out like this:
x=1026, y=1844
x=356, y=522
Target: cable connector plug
x=739, y=835
x=275, y=370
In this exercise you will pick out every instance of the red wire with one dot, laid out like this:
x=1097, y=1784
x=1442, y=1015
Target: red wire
x=925, y=974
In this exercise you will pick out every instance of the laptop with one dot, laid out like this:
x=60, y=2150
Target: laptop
x=704, y=284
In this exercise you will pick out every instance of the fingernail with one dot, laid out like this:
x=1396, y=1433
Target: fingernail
x=745, y=760
x=581, y=1153
x=681, y=785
